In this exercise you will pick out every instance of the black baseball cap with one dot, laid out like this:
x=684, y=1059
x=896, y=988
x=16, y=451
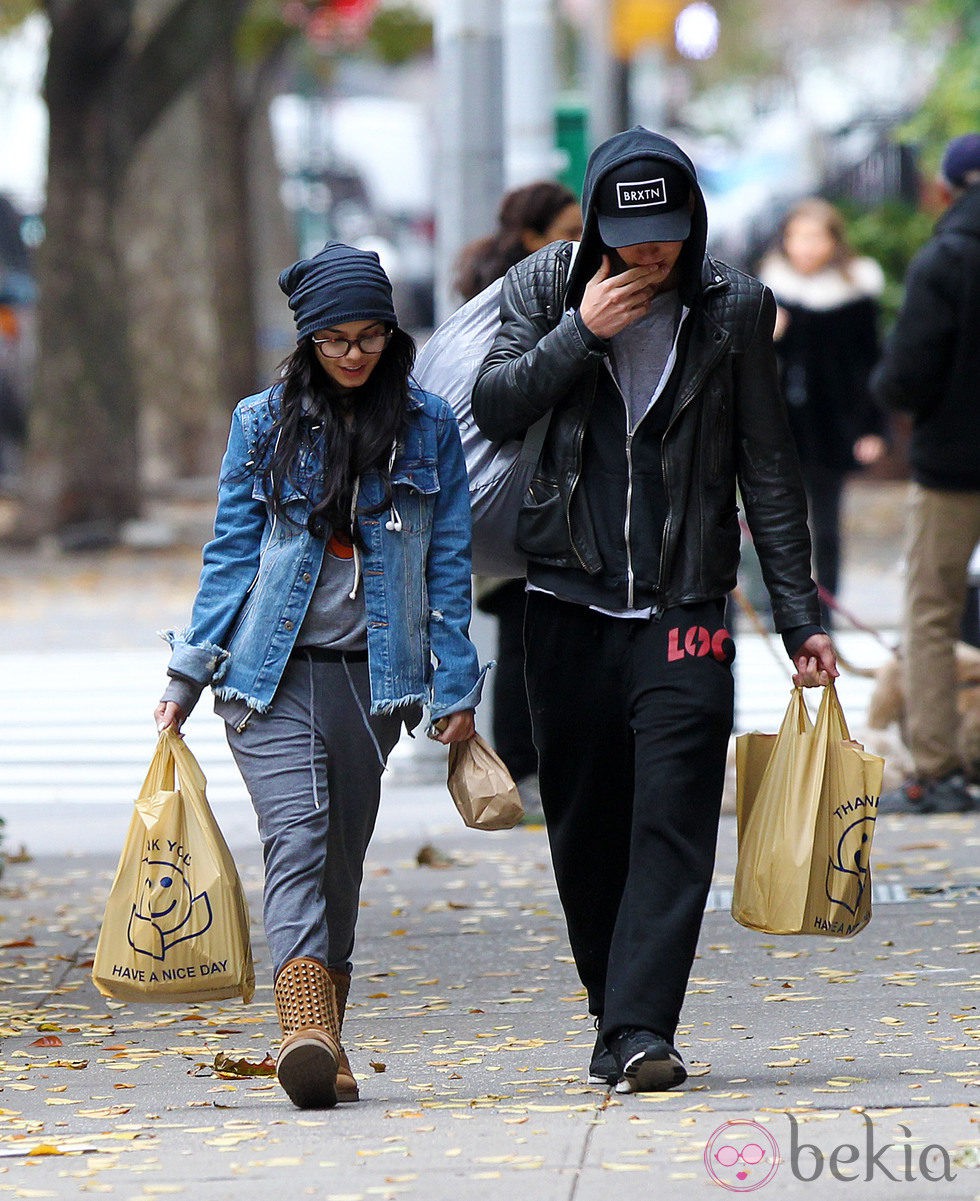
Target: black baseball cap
x=644, y=200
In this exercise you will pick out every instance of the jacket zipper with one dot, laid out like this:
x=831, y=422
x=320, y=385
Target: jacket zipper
x=630, y=581
x=630, y=433
x=628, y=523
x=579, y=439
x=557, y=301
x=658, y=607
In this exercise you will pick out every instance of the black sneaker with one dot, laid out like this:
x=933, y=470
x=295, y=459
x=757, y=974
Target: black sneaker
x=603, y=1069
x=951, y=794
x=647, y=1063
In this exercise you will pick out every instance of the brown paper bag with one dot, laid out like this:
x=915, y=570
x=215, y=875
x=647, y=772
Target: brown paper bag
x=806, y=803
x=480, y=784
x=176, y=924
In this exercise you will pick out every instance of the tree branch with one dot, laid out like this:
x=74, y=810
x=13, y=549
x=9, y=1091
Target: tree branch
x=256, y=83
x=87, y=39
x=174, y=56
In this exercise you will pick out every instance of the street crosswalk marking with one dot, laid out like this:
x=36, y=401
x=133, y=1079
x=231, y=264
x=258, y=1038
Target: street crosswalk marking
x=76, y=727
x=882, y=893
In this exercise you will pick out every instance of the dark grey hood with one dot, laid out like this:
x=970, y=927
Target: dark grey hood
x=617, y=150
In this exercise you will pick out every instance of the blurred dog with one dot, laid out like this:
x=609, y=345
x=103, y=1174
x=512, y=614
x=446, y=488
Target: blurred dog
x=887, y=704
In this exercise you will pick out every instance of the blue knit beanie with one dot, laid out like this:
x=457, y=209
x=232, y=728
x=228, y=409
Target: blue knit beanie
x=339, y=284
x=961, y=161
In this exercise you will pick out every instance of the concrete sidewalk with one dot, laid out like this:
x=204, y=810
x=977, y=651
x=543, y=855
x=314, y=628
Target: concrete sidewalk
x=468, y=1033
x=853, y=1060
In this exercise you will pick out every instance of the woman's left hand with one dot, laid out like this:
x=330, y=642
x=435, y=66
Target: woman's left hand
x=457, y=727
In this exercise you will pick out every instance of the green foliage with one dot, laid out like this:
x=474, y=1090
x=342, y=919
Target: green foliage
x=953, y=105
x=400, y=33
x=263, y=30
x=890, y=234
x=397, y=34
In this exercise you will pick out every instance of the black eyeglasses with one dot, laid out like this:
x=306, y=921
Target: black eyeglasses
x=337, y=348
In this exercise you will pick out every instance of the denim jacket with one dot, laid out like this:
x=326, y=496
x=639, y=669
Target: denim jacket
x=259, y=572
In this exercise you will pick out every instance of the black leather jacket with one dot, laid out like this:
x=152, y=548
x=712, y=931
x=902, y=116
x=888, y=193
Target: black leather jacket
x=931, y=365
x=728, y=426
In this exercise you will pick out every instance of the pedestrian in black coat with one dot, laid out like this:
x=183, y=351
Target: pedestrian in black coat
x=827, y=344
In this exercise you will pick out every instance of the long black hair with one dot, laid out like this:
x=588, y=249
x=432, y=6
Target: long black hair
x=534, y=206
x=358, y=431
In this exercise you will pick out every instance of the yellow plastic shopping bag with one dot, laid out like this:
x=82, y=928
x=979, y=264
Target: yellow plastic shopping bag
x=807, y=799
x=176, y=924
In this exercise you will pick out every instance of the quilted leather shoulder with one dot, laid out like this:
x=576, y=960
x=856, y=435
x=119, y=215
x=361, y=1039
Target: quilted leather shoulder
x=734, y=300
x=541, y=279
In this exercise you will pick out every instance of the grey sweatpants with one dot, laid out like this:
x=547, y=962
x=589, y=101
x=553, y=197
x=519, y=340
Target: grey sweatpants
x=313, y=771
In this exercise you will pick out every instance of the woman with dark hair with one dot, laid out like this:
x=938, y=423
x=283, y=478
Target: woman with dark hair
x=826, y=343
x=529, y=218
x=339, y=570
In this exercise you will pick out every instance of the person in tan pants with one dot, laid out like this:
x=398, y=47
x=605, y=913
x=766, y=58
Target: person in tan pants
x=931, y=369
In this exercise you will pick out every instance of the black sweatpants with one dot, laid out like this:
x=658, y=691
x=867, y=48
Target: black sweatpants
x=631, y=720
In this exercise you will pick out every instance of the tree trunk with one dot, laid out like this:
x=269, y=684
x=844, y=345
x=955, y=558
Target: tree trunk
x=225, y=122
x=84, y=464
x=106, y=88
x=168, y=235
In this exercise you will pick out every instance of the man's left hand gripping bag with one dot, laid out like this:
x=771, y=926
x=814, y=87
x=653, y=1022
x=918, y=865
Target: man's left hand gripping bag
x=176, y=924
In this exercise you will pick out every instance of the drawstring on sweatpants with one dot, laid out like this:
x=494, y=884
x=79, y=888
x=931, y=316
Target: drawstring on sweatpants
x=316, y=791
x=364, y=717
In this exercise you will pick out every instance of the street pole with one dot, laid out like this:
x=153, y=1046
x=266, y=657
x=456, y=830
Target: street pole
x=469, y=171
x=529, y=91
x=605, y=87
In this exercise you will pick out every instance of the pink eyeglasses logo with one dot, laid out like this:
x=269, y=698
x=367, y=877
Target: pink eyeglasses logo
x=741, y=1156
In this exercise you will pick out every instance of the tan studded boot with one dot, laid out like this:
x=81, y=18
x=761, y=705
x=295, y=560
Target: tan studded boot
x=346, y=1084
x=310, y=1051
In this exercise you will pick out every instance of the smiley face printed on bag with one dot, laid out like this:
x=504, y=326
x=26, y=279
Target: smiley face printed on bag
x=166, y=910
x=848, y=875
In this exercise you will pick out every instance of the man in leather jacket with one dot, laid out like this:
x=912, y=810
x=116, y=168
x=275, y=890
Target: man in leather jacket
x=661, y=382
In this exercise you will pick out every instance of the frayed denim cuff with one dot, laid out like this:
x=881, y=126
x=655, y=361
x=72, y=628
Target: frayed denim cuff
x=205, y=664
x=470, y=701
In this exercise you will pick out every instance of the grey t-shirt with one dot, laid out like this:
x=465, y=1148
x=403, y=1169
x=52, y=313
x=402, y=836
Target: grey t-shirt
x=334, y=620
x=643, y=354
